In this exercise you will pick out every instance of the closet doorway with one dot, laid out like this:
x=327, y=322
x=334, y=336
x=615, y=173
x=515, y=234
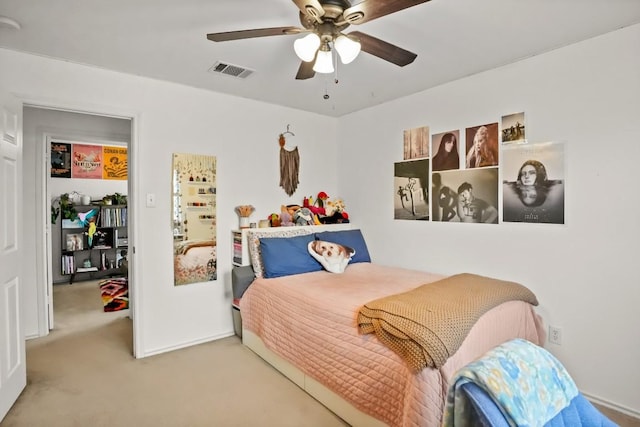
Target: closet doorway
x=42, y=126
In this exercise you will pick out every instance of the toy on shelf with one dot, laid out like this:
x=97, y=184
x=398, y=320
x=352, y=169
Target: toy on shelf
x=286, y=218
x=274, y=220
x=314, y=211
x=303, y=216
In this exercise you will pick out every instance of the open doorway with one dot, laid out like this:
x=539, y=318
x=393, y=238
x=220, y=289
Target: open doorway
x=42, y=125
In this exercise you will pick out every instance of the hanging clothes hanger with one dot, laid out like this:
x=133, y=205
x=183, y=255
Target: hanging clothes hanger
x=282, y=140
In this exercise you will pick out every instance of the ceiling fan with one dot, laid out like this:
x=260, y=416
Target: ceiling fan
x=325, y=21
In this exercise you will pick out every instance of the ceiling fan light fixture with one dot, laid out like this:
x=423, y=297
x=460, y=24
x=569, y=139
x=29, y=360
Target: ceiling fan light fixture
x=347, y=48
x=306, y=47
x=324, y=62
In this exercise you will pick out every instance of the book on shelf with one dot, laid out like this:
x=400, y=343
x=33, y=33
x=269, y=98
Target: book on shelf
x=68, y=264
x=85, y=269
x=114, y=217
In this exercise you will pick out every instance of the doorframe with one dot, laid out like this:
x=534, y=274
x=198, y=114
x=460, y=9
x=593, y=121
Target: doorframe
x=44, y=216
x=43, y=149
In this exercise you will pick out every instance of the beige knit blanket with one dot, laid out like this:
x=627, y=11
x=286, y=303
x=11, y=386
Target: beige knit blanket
x=427, y=325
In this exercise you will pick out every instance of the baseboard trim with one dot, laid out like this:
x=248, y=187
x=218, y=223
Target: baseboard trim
x=153, y=352
x=620, y=408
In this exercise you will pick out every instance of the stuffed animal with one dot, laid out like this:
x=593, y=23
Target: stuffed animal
x=330, y=208
x=286, y=219
x=274, y=220
x=333, y=207
x=339, y=204
x=292, y=209
x=303, y=216
x=317, y=210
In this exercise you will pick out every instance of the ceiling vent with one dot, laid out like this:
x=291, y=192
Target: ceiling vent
x=230, y=70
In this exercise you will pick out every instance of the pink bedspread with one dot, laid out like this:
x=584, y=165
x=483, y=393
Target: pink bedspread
x=310, y=320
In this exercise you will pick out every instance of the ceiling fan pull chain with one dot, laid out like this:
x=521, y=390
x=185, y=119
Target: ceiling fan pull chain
x=335, y=76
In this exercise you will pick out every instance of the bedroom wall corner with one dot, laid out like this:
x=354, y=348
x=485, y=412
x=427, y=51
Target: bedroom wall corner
x=587, y=95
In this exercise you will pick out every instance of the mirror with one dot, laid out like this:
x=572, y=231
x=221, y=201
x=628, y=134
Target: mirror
x=194, y=218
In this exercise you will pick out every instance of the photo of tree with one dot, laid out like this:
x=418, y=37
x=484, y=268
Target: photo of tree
x=416, y=143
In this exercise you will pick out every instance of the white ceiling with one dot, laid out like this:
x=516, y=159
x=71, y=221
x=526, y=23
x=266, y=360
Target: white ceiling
x=166, y=39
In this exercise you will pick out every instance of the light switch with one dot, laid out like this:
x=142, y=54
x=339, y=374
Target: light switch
x=151, y=200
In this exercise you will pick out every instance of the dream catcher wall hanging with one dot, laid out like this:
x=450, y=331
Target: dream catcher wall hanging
x=289, y=164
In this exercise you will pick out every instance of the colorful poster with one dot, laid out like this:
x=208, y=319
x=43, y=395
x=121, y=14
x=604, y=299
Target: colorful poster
x=60, y=160
x=87, y=161
x=115, y=162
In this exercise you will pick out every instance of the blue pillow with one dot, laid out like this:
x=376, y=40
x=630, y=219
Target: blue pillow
x=350, y=238
x=283, y=256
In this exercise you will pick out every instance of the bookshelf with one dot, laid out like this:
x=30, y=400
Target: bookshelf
x=84, y=260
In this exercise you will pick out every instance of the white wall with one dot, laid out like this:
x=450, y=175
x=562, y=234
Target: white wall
x=585, y=274
x=168, y=118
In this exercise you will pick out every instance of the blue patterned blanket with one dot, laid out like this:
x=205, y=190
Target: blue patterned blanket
x=526, y=382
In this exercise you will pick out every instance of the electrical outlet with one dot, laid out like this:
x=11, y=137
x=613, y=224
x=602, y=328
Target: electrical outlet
x=555, y=335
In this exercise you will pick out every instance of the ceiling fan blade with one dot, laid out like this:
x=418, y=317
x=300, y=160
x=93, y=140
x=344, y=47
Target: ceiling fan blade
x=258, y=32
x=311, y=8
x=305, y=71
x=384, y=50
x=368, y=10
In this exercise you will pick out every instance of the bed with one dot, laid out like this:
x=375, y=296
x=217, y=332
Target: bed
x=304, y=324
x=194, y=261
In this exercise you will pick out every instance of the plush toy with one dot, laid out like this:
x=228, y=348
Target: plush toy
x=286, y=219
x=332, y=207
x=317, y=210
x=322, y=197
x=339, y=204
x=92, y=230
x=292, y=209
x=274, y=220
x=303, y=216
x=335, y=212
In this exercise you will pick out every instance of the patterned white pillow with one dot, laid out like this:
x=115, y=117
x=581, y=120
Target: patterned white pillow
x=253, y=241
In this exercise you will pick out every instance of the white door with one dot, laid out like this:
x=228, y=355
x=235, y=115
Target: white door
x=13, y=366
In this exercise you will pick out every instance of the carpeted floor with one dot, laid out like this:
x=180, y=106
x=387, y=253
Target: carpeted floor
x=83, y=374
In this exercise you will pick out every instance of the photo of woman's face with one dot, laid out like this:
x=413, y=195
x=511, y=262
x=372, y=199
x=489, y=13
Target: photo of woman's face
x=528, y=175
x=448, y=146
